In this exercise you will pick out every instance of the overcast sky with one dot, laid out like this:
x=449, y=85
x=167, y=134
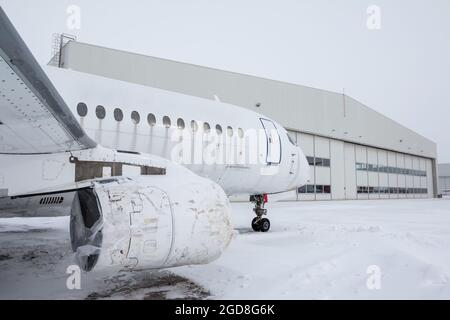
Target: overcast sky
x=401, y=70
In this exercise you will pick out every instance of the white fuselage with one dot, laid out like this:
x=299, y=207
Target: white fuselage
x=175, y=126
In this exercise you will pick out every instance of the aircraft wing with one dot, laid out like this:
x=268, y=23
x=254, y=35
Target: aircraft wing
x=34, y=119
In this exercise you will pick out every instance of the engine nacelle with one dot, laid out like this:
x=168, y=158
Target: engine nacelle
x=150, y=222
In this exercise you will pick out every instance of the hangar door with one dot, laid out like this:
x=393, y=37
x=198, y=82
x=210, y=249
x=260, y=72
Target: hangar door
x=273, y=142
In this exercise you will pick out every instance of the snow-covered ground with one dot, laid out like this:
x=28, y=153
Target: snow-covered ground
x=315, y=250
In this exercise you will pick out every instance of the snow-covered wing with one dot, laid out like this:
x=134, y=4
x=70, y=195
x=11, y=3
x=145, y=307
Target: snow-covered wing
x=33, y=116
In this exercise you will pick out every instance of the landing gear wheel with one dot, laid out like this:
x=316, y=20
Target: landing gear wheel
x=260, y=224
x=256, y=224
x=264, y=225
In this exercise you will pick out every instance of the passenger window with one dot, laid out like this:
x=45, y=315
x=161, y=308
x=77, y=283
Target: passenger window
x=82, y=109
x=166, y=122
x=100, y=112
x=180, y=124
x=218, y=129
x=241, y=133
x=151, y=119
x=118, y=115
x=135, y=117
x=206, y=127
x=194, y=126
x=230, y=131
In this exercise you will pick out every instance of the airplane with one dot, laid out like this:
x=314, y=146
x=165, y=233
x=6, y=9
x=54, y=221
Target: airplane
x=144, y=173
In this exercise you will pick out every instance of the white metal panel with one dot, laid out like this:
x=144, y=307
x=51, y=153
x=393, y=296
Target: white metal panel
x=322, y=147
x=417, y=180
x=361, y=154
x=323, y=176
x=323, y=197
x=382, y=157
x=393, y=178
x=350, y=171
x=372, y=155
x=306, y=142
x=337, y=172
x=361, y=176
x=442, y=184
x=372, y=159
x=306, y=197
x=401, y=177
x=409, y=178
x=430, y=184
x=384, y=177
x=423, y=180
x=423, y=167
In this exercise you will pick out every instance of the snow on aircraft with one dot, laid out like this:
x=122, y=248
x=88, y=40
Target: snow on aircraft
x=144, y=173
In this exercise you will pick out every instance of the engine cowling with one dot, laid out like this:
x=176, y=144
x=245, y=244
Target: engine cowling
x=149, y=222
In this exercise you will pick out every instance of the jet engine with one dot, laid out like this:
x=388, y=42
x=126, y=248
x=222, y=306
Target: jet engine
x=149, y=222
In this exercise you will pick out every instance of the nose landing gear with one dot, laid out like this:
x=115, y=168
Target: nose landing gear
x=260, y=224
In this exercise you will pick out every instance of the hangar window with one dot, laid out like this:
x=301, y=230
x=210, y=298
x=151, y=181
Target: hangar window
x=319, y=162
x=311, y=161
x=82, y=109
x=389, y=170
x=194, y=126
x=118, y=115
x=135, y=117
x=363, y=190
x=361, y=166
x=241, y=133
x=166, y=122
x=219, y=129
x=180, y=124
x=151, y=119
x=230, y=131
x=206, y=127
x=315, y=189
x=100, y=112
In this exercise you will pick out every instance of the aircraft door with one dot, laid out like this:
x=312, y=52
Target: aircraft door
x=273, y=142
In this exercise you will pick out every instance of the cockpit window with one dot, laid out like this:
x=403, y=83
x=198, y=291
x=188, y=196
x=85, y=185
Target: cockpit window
x=291, y=140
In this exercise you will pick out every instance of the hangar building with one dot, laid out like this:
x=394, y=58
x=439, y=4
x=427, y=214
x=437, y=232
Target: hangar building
x=444, y=179
x=354, y=152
